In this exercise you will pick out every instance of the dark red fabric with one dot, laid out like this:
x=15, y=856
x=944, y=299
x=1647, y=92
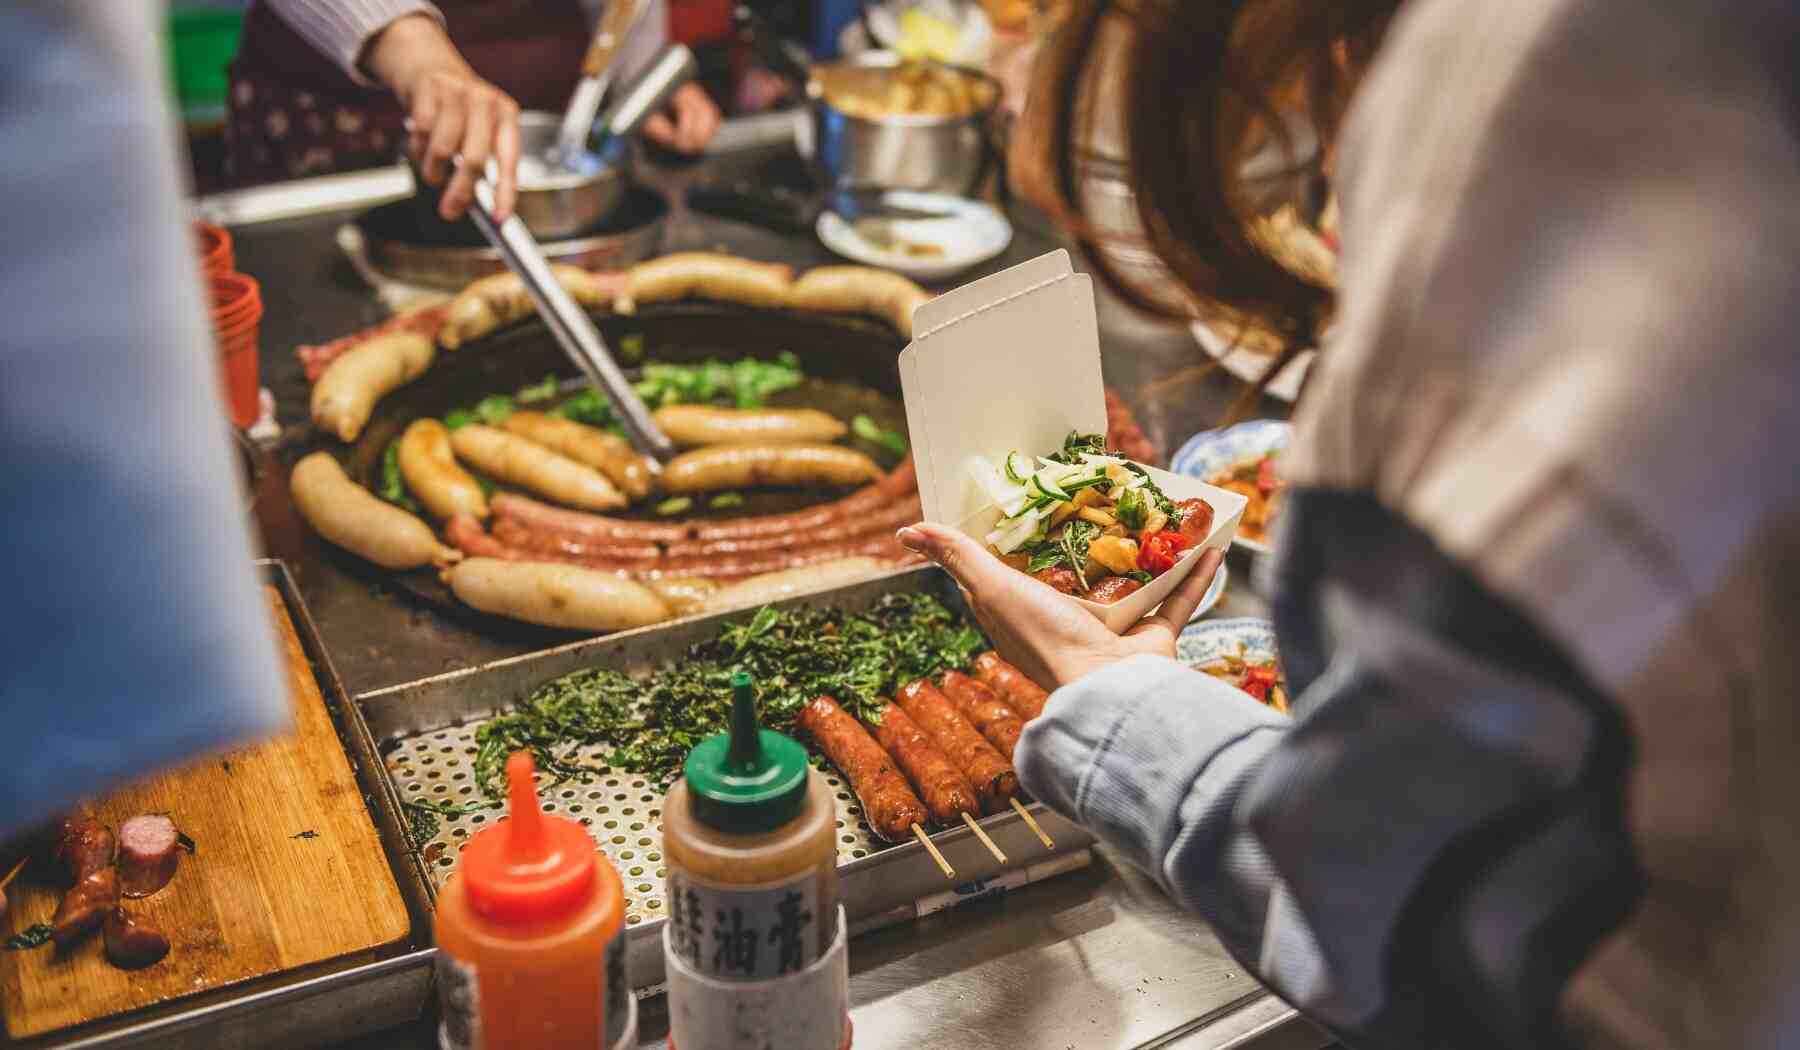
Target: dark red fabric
x=293, y=112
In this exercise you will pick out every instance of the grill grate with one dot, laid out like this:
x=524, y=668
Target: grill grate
x=621, y=811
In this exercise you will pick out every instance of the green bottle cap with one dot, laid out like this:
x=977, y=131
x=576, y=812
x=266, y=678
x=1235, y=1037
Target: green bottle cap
x=750, y=779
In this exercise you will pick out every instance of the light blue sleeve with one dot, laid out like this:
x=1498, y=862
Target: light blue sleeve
x=1152, y=756
x=135, y=632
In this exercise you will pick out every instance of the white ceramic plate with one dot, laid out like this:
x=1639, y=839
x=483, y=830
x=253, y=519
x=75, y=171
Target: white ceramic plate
x=973, y=232
x=1214, y=640
x=1249, y=365
x=1211, y=451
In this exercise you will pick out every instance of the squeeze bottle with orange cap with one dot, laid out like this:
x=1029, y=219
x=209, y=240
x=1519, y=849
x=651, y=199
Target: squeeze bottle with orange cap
x=754, y=949
x=531, y=952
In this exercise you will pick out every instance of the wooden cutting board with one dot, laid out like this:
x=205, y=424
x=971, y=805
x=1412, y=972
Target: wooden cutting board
x=288, y=870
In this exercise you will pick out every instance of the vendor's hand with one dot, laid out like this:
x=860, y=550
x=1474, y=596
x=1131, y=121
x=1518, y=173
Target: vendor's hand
x=456, y=119
x=689, y=122
x=1034, y=628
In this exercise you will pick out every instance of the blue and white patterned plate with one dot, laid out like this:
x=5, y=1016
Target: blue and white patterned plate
x=1213, y=593
x=1211, y=451
x=1213, y=640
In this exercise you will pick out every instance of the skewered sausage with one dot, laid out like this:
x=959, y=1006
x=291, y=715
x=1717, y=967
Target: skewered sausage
x=1112, y=589
x=785, y=583
x=860, y=290
x=890, y=806
x=706, y=275
x=607, y=453
x=945, y=791
x=85, y=906
x=1196, y=520
x=351, y=517
x=566, y=596
x=746, y=466
x=428, y=465
x=1020, y=693
x=132, y=941
x=345, y=396
x=510, y=458
x=83, y=846
x=993, y=716
x=881, y=520
x=492, y=301
x=991, y=774
x=149, y=851
x=691, y=426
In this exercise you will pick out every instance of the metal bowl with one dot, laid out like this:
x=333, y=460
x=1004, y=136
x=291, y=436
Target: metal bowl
x=555, y=202
x=901, y=151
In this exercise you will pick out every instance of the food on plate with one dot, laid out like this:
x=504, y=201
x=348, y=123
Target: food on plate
x=1021, y=693
x=910, y=89
x=509, y=458
x=1262, y=679
x=353, y=518
x=785, y=583
x=692, y=426
x=149, y=852
x=500, y=298
x=607, y=453
x=82, y=846
x=1255, y=479
x=943, y=788
x=684, y=595
x=565, y=596
x=705, y=275
x=992, y=716
x=884, y=294
x=428, y=465
x=988, y=771
x=1079, y=518
x=346, y=393
x=888, y=802
x=747, y=466
x=85, y=907
x=132, y=941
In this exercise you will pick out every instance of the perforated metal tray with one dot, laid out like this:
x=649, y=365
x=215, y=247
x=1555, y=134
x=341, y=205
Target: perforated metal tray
x=427, y=732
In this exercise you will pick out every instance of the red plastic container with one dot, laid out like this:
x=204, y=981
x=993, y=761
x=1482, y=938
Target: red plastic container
x=237, y=325
x=216, y=252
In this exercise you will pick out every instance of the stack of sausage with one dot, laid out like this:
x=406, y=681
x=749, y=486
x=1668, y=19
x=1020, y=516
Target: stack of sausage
x=937, y=751
x=101, y=870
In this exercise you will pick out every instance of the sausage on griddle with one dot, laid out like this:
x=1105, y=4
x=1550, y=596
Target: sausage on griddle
x=991, y=774
x=890, y=806
x=993, y=716
x=945, y=791
x=1021, y=693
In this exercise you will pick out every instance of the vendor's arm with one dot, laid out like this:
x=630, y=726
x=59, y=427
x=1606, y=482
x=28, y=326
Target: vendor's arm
x=454, y=112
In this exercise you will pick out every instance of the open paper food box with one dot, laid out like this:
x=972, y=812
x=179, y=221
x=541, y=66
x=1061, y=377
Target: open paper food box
x=1012, y=363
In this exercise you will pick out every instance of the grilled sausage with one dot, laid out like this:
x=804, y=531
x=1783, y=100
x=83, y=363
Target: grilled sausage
x=1058, y=577
x=884, y=519
x=345, y=395
x=85, y=906
x=351, y=517
x=607, y=453
x=510, y=458
x=83, y=846
x=684, y=595
x=860, y=290
x=566, y=596
x=705, y=275
x=993, y=716
x=149, y=851
x=1112, y=589
x=543, y=517
x=1020, y=693
x=785, y=583
x=428, y=465
x=524, y=538
x=1196, y=520
x=692, y=426
x=991, y=774
x=946, y=792
x=470, y=538
x=500, y=298
x=747, y=466
x=738, y=566
x=132, y=941
x=890, y=806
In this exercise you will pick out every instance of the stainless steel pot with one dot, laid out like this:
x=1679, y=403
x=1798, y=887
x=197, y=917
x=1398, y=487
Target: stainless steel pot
x=905, y=151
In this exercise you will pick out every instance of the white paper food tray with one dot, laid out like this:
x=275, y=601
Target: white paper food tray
x=1012, y=362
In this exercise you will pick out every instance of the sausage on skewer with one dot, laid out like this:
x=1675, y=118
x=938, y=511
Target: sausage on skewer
x=946, y=792
x=889, y=804
x=1021, y=693
x=991, y=715
x=992, y=775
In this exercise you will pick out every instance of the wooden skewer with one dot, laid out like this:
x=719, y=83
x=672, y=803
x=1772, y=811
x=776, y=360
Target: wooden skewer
x=924, y=840
x=982, y=835
x=16, y=868
x=1031, y=822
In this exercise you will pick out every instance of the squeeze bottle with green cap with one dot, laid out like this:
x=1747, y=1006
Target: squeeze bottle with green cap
x=529, y=936
x=750, y=833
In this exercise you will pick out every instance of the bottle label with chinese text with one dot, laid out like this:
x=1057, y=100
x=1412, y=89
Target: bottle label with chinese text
x=739, y=932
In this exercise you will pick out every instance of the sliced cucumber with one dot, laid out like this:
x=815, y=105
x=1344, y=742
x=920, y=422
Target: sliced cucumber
x=1013, y=533
x=1018, y=468
x=1047, y=483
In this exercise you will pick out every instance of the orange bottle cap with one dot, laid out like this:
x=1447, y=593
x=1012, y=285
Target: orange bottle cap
x=531, y=867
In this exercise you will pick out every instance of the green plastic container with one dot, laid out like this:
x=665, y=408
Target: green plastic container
x=202, y=42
